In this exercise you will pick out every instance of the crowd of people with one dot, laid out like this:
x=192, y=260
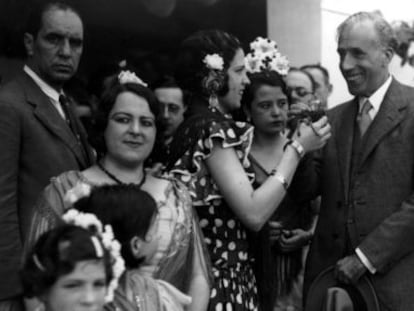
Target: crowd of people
x=228, y=185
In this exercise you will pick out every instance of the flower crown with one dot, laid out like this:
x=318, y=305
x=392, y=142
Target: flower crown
x=126, y=76
x=91, y=222
x=265, y=56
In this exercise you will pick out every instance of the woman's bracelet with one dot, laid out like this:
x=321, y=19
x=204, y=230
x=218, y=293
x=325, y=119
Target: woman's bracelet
x=280, y=178
x=297, y=146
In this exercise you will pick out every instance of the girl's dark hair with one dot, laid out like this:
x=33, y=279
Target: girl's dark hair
x=56, y=254
x=258, y=79
x=128, y=209
x=106, y=104
x=190, y=69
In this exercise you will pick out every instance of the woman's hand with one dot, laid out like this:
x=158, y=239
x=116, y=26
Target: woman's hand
x=313, y=136
x=292, y=240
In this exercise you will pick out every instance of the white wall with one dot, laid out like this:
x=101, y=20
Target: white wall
x=296, y=26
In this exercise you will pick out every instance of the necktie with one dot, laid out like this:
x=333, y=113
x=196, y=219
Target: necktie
x=363, y=118
x=70, y=117
x=77, y=129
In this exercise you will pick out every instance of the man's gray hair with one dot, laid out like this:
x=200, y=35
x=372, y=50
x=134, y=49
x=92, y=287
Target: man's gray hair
x=383, y=28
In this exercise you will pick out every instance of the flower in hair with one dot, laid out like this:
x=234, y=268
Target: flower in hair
x=214, y=61
x=91, y=222
x=126, y=76
x=265, y=56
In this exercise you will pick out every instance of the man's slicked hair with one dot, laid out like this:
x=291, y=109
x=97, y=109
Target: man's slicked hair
x=35, y=19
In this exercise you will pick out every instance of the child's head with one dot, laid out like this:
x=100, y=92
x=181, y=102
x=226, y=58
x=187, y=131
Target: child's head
x=67, y=254
x=131, y=212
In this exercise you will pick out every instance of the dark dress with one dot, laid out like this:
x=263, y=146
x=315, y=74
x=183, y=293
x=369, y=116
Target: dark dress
x=234, y=285
x=277, y=271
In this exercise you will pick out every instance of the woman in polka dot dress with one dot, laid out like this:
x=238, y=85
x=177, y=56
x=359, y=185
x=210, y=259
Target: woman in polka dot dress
x=209, y=154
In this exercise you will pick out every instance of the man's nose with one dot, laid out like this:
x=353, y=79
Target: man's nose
x=347, y=62
x=65, y=48
x=165, y=113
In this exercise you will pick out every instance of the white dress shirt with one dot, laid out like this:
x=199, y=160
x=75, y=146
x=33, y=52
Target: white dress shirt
x=47, y=89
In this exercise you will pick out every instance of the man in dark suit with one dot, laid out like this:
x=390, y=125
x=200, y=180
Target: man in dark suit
x=39, y=135
x=366, y=221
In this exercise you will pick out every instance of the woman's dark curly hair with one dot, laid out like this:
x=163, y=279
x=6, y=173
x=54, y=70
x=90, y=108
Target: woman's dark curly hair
x=257, y=79
x=190, y=69
x=129, y=210
x=56, y=254
x=106, y=104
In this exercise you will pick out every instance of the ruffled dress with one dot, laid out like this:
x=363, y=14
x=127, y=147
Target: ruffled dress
x=234, y=284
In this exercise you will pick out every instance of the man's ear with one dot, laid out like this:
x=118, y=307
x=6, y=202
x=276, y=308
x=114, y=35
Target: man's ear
x=135, y=244
x=28, y=42
x=388, y=54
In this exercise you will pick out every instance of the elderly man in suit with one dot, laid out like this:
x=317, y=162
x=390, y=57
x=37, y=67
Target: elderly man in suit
x=40, y=137
x=366, y=221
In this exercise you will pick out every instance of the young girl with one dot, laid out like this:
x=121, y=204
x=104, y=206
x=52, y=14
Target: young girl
x=68, y=269
x=132, y=214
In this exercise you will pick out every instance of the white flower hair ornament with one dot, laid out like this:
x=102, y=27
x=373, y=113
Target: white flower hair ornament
x=126, y=76
x=91, y=222
x=264, y=56
x=214, y=61
x=214, y=80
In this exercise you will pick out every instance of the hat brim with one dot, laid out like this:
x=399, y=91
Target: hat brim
x=317, y=291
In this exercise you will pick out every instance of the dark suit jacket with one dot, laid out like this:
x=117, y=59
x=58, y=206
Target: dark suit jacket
x=375, y=211
x=36, y=144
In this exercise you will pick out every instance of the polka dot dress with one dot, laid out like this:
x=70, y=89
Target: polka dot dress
x=234, y=285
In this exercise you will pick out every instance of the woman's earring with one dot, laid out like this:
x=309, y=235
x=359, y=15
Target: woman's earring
x=249, y=119
x=213, y=101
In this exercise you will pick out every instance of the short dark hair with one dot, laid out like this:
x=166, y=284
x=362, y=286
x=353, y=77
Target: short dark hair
x=38, y=9
x=56, y=254
x=106, y=104
x=190, y=69
x=128, y=209
x=258, y=79
x=167, y=81
x=319, y=67
x=384, y=30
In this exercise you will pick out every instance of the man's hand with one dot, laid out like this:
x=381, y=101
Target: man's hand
x=348, y=270
x=292, y=240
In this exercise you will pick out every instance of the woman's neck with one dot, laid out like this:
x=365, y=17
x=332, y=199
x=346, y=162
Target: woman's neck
x=268, y=149
x=126, y=174
x=264, y=141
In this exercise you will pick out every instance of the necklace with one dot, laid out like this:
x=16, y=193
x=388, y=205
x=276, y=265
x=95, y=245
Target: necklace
x=116, y=179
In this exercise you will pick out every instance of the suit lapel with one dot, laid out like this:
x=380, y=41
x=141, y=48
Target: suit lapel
x=388, y=117
x=50, y=117
x=345, y=133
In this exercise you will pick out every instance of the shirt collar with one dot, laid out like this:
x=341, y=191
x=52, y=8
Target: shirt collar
x=46, y=88
x=376, y=98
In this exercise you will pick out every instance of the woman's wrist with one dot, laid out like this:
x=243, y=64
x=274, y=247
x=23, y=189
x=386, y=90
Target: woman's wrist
x=297, y=146
x=275, y=174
